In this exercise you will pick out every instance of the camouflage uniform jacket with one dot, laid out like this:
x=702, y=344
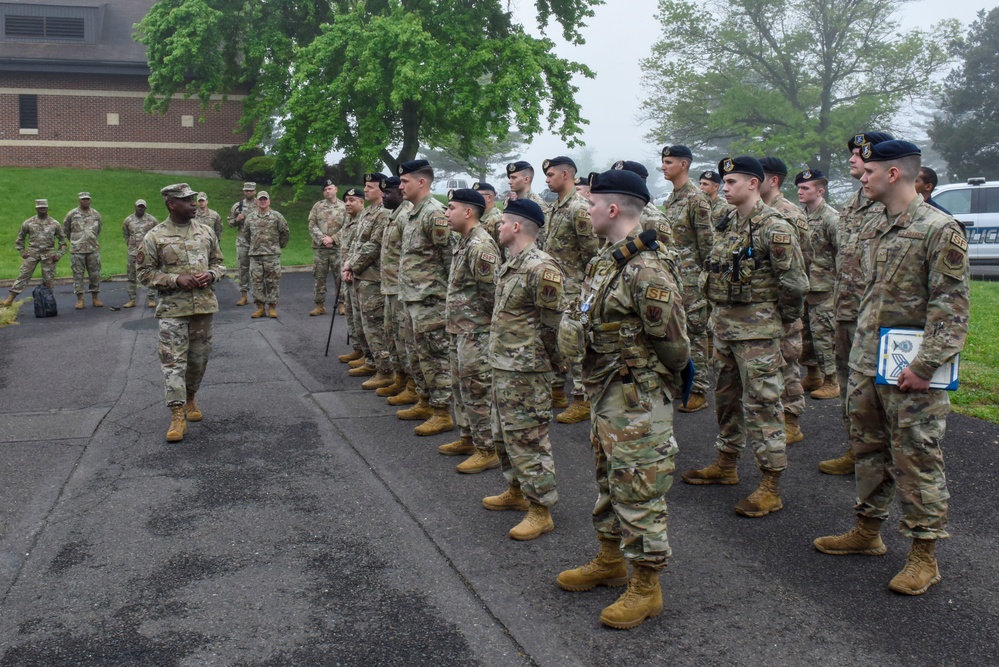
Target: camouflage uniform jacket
x=82, y=229
x=348, y=232
x=267, y=232
x=365, y=252
x=822, y=224
x=719, y=209
x=134, y=230
x=326, y=219
x=41, y=235
x=427, y=244
x=391, y=245
x=245, y=206
x=526, y=314
x=769, y=290
x=490, y=222
x=858, y=213
x=653, y=218
x=211, y=219
x=688, y=210
x=793, y=214
x=916, y=270
x=471, y=286
x=169, y=251
x=570, y=239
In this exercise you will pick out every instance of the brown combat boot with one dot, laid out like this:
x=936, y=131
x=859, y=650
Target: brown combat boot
x=765, y=499
x=559, y=399
x=351, y=356
x=341, y=309
x=9, y=301
x=792, y=429
x=578, y=411
x=607, y=569
x=272, y=311
x=79, y=302
x=460, y=447
x=320, y=309
x=397, y=387
x=243, y=300
x=408, y=396
x=863, y=539
x=261, y=311
x=694, y=403
x=920, y=571
x=362, y=371
x=191, y=409
x=439, y=422
x=377, y=381
x=642, y=600
x=150, y=302
x=829, y=389
x=812, y=380
x=129, y=304
x=478, y=462
x=357, y=363
x=178, y=424
x=95, y=300
x=724, y=470
x=511, y=499
x=420, y=411
x=535, y=523
x=840, y=466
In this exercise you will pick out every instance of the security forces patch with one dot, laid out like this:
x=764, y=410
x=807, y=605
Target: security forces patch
x=657, y=294
x=487, y=263
x=959, y=241
x=781, y=238
x=440, y=230
x=551, y=276
x=866, y=152
x=801, y=223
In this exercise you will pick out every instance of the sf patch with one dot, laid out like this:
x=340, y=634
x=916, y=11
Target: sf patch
x=657, y=294
x=486, y=263
x=441, y=231
x=959, y=240
x=550, y=289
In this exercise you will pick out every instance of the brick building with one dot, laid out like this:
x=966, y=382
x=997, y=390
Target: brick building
x=72, y=86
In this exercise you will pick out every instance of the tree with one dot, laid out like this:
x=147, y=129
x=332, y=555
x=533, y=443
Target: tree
x=966, y=132
x=364, y=76
x=793, y=78
x=487, y=152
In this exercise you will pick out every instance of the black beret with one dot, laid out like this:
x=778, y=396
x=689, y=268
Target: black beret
x=328, y=182
x=353, y=192
x=376, y=177
x=774, y=165
x=888, y=150
x=620, y=182
x=581, y=180
x=467, y=196
x=808, y=175
x=710, y=176
x=411, y=166
x=390, y=183
x=633, y=167
x=679, y=151
x=526, y=208
x=520, y=165
x=858, y=140
x=482, y=186
x=557, y=162
x=743, y=164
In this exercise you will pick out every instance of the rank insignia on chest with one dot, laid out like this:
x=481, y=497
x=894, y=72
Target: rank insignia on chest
x=551, y=276
x=882, y=255
x=654, y=314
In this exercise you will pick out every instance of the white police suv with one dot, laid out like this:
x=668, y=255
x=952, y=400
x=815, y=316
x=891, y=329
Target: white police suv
x=975, y=204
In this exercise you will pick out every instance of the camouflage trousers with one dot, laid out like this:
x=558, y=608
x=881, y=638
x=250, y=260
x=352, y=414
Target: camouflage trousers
x=634, y=454
x=28, y=270
x=521, y=413
x=265, y=275
x=372, y=304
x=412, y=353
x=793, y=397
x=574, y=368
x=433, y=347
x=395, y=333
x=844, y=333
x=472, y=376
x=747, y=399
x=243, y=260
x=185, y=343
x=697, y=331
x=357, y=322
x=132, y=286
x=324, y=262
x=818, y=338
x=896, y=437
x=89, y=262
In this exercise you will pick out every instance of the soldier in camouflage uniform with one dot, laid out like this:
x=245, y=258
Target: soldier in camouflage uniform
x=209, y=217
x=82, y=226
x=710, y=184
x=325, y=221
x=427, y=245
x=400, y=345
x=134, y=229
x=520, y=176
x=652, y=216
x=632, y=326
x=470, y=297
x=689, y=213
x=526, y=315
x=353, y=201
x=41, y=233
x=571, y=242
x=583, y=186
x=490, y=219
x=237, y=216
x=267, y=232
x=181, y=259
x=915, y=260
x=756, y=282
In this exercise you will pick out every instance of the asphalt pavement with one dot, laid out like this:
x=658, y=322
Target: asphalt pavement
x=301, y=523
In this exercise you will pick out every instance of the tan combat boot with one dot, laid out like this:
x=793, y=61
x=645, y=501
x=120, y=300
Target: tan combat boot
x=813, y=380
x=357, y=363
x=535, y=523
x=178, y=424
x=792, y=429
x=840, y=466
x=129, y=304
x=351, y=356
x=829, y=389
x=478, y=462
x=191, y=409
x=243, y=300
x=642, y=600
x=578, y=411
x=320, y=309
x=9, y=300
x=362, y=371
x=724, y=470
x=397, y=387
x=920, y=571
x=377, y=381
x=765, y=499
x=559, y=399
x=341, y=309
x=272, y=311
x=439, y=422
x=261, y=311
x=95, y=300
x=460, y=447
x=407, y=396
x=420, y=411
x=79, y=302
x=863, y=539
x=511, y=499
x=694, y=403
x=150, y=302
x=607, y=569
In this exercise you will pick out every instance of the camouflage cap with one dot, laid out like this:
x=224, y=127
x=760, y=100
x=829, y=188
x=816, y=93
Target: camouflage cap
x=41, y=203
x=249, y=185
x=177, y=191
x=202, y=196
x=140, y=202
x=83, y=195
x=263, y=194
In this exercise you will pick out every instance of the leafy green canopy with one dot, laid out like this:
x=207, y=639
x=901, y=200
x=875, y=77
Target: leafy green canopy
x=362, y=76
x=792, y=78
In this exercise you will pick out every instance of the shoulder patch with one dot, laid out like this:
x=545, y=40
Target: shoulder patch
x=441, y=230
x=488, y=257
x=663, y=227
x=657, y=294
x=781, y=238
x=801, y=223
x=957, y=239
x=551, y=276
x=140, y=257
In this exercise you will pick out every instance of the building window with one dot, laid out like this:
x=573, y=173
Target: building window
x=27, y=107
x=44, y=27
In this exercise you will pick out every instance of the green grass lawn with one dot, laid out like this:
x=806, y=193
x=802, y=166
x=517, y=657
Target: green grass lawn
x=978, y=394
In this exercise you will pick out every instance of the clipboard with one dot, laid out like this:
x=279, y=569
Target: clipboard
x=896, y=350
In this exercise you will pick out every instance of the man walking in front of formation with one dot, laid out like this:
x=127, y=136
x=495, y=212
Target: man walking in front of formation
x=134, y=229
x=82, y=226
x=632, y=327
x=267, y=233
x=916, y=262
x=41, y=233
x=325, y=221
x=237, y=219
x=182, y=259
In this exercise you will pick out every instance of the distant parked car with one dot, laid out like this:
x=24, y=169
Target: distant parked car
x=975, y=204
x=456, y=184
